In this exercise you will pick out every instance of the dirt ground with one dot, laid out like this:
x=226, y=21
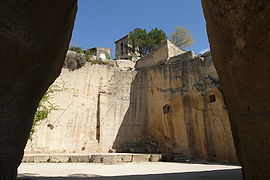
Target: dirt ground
x=128, y=171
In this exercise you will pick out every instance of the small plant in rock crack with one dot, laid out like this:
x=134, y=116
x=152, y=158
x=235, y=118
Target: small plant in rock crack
x=45, y=107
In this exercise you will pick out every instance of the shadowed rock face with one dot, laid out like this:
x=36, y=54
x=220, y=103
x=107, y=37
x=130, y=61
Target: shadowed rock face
x=34, y=37
x=239, y=34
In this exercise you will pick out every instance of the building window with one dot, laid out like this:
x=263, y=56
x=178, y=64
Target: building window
x=167, y=109
x=126, y=46
x=122, y=49
x=212, y=98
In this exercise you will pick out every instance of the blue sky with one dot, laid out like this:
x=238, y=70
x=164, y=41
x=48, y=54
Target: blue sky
x=99, y=23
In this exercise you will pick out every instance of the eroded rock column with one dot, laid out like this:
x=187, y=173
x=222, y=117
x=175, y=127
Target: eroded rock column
x=239, y=34
x=34, y=37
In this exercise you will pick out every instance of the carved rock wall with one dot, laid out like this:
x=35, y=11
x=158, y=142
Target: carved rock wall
x=175, y=107
x=186, y=109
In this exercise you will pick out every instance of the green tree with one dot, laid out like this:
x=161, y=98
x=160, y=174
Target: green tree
x=181, y=37
x=144, y=41
x=108, y=56
x=156, y=37
x=74, y=61
x=87, y=55
x=138, y=38
x=76, y=49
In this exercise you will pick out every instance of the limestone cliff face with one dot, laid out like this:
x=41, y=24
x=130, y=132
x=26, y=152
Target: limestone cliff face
x=180, y=100
x=172, y=104
x=92, y=106
x=183, y=108
x=186, y=110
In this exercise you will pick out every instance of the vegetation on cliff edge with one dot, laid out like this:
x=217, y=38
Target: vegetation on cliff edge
x=144, y=42
x=181, y=37
x=45, y=107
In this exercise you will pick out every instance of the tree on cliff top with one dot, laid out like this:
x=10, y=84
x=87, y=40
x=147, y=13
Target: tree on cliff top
x=76, y=49
x=145, y=41
x=181, y=37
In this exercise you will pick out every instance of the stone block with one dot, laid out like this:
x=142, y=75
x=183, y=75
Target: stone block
x=140, y=158
x=96, y=159
x=28, y=159
x=125, y=64
x=80, y=159
x=126, y=158
x=154, y=158
x=59, y=158
x=41, y=158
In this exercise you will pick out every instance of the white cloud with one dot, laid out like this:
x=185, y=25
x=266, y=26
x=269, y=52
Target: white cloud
x=204, y=50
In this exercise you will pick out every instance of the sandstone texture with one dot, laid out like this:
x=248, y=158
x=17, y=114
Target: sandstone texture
x=240, y=41
x=174, y=105
x=34, y=37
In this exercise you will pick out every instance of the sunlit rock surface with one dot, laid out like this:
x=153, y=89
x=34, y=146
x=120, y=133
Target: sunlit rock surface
x=172, y=106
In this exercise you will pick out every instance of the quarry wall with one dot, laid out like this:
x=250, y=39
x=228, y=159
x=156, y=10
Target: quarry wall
x=186, y=109
x=172, y=106
x=91, y=105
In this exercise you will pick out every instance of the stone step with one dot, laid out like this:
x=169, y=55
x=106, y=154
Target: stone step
x=174, y=158
x=110, y=158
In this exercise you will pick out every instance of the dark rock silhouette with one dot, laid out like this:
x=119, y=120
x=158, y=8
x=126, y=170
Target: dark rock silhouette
x=239, y=34
x=34, y=36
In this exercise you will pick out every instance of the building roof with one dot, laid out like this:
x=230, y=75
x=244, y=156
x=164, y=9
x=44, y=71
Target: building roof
x=121, y=38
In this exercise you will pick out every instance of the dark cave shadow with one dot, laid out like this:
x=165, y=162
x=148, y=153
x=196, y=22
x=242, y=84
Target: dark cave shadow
x=233, y=174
